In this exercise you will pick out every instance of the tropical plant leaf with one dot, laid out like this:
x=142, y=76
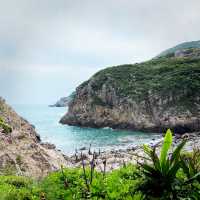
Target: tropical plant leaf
x=165, y=148
x=173, y=170
x=195, y=177
x=147, y=149
x=176, y=153
x=185, y=168
x=166, y=167
x=156, y=160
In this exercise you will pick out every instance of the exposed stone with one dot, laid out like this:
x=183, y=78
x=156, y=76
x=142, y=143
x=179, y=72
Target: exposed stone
x=48, y=145
x=101, y=101
x=21, y=151
x=151, y=117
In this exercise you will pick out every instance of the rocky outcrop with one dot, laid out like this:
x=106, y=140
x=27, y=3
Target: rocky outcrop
x=21, y=151
x=64, y=101
x=187, y=53
x=151, y=96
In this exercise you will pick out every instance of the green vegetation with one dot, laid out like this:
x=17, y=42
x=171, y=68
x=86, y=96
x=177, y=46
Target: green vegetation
x=177, y=79
x=6, y=128
x=115, y=185
x=17, y=188
x=185, y=45
x=1, y=104
x=161, y=174
x=118, y=184
x=98, y=101
x=8, y=169
x=19, y=160
x=172, y=175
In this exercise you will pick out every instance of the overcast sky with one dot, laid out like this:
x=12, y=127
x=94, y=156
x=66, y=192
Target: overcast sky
x=48, y=47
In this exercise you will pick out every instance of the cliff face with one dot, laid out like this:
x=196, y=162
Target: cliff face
x=21, y=151
x=150, y=96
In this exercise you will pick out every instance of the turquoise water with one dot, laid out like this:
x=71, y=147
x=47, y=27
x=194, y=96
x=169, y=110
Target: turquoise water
x=68, y=138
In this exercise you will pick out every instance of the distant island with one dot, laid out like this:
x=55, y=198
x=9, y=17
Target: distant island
x=150, y=96
x=64, y=101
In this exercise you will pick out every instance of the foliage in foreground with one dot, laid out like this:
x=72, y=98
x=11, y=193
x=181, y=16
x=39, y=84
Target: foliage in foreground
x=170, y=175
x=161, y=178
x=118, y=184
x=17, y=188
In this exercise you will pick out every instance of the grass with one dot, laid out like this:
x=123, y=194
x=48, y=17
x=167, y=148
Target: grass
x=115, y=185
x=17, y=188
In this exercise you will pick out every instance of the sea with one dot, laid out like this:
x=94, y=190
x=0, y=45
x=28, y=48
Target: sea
x=69, y=138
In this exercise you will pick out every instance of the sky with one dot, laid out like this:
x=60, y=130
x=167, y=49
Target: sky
x=48, y=47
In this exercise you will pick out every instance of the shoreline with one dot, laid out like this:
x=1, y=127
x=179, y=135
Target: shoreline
x=28, y=155
x=117, y=158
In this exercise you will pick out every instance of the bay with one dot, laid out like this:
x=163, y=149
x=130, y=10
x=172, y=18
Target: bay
x=68, y=138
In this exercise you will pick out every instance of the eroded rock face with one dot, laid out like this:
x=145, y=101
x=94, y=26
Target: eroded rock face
x=168, y=98
x=187, y=53
x=21, y=151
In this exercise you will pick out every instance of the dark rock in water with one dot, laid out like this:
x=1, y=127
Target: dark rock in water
x=82, y=148
x=38, y=137
x=151, y=96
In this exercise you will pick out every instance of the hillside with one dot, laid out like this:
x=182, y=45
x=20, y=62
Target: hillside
x=21, y=151
x=150, y=96
x=180, y=47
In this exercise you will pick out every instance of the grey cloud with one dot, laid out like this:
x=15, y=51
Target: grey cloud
x=48, y=47
x=85, y=31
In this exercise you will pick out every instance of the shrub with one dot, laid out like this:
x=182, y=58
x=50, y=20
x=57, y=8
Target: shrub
x=16, y=188
x=19, y=160
x=6, y=128
x=54, y=186
x=191, y=168
x=98, y=101
x=116, y=185
x=1, y=120
x=160, y=178
x=120, y=183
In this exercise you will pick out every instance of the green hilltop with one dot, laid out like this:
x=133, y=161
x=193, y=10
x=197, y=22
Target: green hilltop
x=185, y=45
x=177, y=76
x=150, y=96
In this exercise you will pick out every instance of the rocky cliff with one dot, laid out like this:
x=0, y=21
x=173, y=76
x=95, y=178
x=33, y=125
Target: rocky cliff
x=21, y=151
x=150, y=96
